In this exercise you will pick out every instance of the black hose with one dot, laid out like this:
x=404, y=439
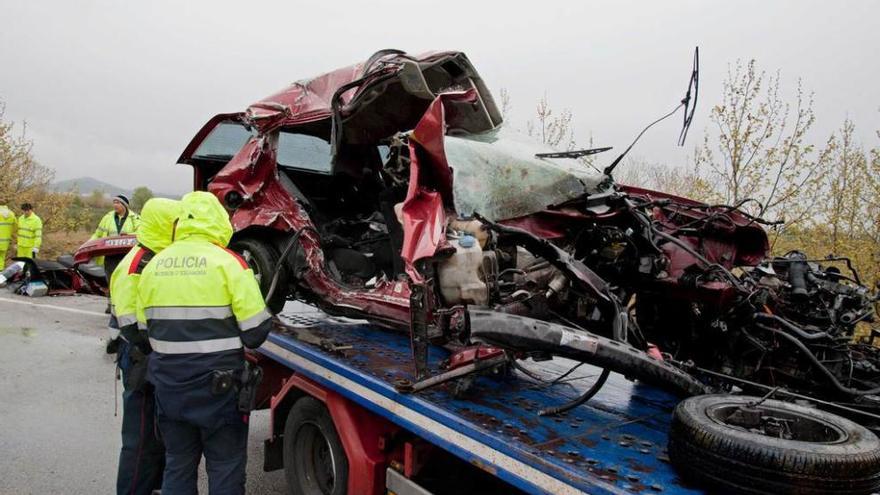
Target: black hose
x=277, y=272
x=794, y=328
x=821, y=367
x=619, y=333
x=600, y=382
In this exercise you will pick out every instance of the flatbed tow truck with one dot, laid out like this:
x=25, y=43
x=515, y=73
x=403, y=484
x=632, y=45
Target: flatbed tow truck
x=488, y=440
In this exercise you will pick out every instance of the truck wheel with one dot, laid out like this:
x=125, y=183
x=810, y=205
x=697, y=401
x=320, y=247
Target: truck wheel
x=738, y=444
x=263, y=258
x=314, y=460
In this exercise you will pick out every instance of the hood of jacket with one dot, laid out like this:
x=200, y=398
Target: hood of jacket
x=156, y=229
x=203, y=217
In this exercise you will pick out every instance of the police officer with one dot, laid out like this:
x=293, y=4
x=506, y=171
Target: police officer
x=201, y=305
x=30, y=233
x=120, y=220
x=142, y=457
x=7, y=223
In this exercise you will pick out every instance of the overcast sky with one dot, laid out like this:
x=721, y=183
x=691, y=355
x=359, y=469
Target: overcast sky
x=116, y=89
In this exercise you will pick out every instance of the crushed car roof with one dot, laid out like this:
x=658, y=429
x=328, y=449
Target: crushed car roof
x=312, y=99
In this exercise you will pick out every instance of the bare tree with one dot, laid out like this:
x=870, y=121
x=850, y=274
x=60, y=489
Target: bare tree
x=27, y=181
x=681, y=181
x=505, y=103
x=759, y=148
x=551, y=128
x=848, y=178
x=22, y=175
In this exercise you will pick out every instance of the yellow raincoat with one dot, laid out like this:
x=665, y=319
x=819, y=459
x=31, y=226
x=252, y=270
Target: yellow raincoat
x=7, y=223
x=30, y=235
x=107, y=228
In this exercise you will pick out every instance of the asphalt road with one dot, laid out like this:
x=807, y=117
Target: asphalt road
x=59, y=433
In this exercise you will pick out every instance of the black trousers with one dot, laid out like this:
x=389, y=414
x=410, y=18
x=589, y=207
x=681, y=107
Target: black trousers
x=110, y=264
x=188, y=436
x=142, y=456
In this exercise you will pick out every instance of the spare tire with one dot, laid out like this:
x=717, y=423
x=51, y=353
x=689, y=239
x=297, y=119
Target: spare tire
x=738, y=444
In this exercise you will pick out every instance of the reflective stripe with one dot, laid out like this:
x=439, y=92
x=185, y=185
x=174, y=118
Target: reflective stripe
x=126, y=320
x=254, y=321
x=142, y=326
x=188, y=313
x=193, y=330
x=196, y=346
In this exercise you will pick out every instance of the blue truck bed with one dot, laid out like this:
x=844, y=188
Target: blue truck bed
x=613, y=444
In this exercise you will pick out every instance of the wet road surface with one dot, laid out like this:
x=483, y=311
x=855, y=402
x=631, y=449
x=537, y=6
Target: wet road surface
x=58, y=430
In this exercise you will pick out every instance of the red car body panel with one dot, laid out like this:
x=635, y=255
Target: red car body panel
x=105, y=246
x=430, y=186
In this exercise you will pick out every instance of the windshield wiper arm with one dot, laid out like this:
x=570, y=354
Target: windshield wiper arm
x=572, y=153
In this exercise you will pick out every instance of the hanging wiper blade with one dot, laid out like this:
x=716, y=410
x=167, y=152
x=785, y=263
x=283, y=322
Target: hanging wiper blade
x=693, y=85
x=686, y=102
x=573, y=153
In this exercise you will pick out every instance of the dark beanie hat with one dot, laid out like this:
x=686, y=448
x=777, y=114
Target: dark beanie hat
x=122, y=199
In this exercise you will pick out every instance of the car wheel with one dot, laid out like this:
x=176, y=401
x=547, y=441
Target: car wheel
x=262, y=258
x=314, y=459
x=740, y=444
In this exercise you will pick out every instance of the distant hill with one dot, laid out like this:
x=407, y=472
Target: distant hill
x=86, y=185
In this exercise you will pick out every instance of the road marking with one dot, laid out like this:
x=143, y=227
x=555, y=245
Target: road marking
x=58, y=308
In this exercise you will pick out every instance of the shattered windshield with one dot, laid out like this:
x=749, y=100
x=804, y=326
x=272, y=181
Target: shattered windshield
x=497, y=175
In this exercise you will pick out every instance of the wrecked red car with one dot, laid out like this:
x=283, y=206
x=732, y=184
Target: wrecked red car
x=390, y=191
x=67, y=274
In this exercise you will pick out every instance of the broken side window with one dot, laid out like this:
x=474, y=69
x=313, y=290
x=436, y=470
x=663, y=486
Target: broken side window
x=304, y=152
x=223, y=142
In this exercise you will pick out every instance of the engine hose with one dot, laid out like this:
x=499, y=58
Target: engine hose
x=821, y=367
x=619, y=332
x=794, y=328
x=568, y=406
x=277, y=272
x=521, y=333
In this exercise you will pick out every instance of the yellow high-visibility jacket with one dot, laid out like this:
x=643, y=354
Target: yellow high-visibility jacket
x=107, y=225
x=154, y=234
x=200, y=302
x=30, y=235
x=7, y=224
x=107, y=228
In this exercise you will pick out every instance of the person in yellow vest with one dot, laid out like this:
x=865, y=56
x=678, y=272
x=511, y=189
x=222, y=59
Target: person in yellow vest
x=30, y=233
x=120, y=220
x=7, y=224
x=142, y=457
x=201, y=306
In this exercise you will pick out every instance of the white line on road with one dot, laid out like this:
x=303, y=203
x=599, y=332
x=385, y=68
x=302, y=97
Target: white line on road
x=59, y=308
